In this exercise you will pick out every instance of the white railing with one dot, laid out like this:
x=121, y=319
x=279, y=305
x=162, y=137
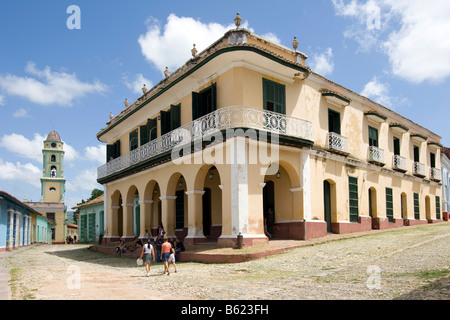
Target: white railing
x=338, y=143
x=376, y=155
x=435, y=174
x=221, y=119
x=419, y=169
x=399, y=163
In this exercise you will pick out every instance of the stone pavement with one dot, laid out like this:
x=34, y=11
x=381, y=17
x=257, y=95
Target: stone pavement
x=5, y=290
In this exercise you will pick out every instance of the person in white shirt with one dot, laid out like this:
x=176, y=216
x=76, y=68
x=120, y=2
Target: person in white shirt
x=147, y=254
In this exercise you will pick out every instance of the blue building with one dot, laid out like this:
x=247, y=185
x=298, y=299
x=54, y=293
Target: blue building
x=20, y=225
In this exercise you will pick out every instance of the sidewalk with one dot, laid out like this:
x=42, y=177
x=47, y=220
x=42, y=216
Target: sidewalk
x=5, y=290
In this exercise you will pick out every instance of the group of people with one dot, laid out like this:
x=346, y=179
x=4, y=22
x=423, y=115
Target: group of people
x=163, y=249
x=69, y=239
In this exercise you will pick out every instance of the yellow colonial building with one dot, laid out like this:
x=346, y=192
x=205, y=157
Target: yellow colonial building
x=245, y=133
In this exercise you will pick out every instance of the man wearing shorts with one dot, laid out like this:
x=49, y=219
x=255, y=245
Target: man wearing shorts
x=165, y=254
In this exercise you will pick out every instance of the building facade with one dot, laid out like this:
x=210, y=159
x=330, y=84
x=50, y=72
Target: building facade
x=91, y=220
x=51, y=205
x=245, y=134
x=20, y=225
x=445, y=165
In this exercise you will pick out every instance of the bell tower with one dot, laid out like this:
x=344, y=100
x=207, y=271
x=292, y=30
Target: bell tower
x=53, y=181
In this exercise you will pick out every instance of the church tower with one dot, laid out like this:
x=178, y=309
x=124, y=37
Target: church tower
x=53, y=181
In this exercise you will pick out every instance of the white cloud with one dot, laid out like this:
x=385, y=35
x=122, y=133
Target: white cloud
x=138, y=83
x=172, y=47
x=272, y=37
x=21, y=113
x=18, y=144
x=86, y=180
x=420, y=50
x=58, y=88
x=28, y=173
x=413, y=34
x=32, y=149
x=2, y=100
x=95, y=153
x=377, y=91
x=322, y=63
x=380, y=93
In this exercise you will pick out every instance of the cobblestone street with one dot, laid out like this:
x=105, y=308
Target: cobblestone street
x=406, y=263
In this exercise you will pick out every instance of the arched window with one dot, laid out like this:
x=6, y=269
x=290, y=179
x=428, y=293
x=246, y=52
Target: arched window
x=53, y=172
x=53, y=158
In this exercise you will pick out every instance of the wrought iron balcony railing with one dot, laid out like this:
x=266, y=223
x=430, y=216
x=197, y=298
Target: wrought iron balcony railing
x=435, y=174
x=221, y=119
x=399, y=163
x=376, y=155
x=337, y=143
x=419, y=169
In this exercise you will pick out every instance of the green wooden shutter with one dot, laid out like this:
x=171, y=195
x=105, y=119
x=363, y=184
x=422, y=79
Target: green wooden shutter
x=334, y=121
x=91, y=228
x=144, y=132
x=353, y=198
x=389, y=205
x=134, y=139
x=438, y=207
x=152, y=128
x=416, y=154
x=196, y=108
x=102, y=222
x=373, y=137
x=396, y=146
x=175, y=116
x=109, y=152
x=83, y=228
x=165, y=122
x=274, y=96
x=416, y=206
x=213, y=97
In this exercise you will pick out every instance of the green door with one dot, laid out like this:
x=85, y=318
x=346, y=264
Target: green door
x=137, y=220
x=327, y=204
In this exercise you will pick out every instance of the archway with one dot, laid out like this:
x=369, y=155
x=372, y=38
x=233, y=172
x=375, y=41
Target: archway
x=116, y=223
x=329, y=203
x=278, y=202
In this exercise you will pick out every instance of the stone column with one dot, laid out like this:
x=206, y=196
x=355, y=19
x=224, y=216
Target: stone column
x=168, y=214
x=195, y=217
x=128, y=233
x=11, y=229
x=146, y=213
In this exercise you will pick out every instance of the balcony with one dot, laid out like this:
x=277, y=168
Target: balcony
x=337, y=143
x=399, y=163
x=376, y=155
x=419, y=169
x=214, y=122
x=435, y=174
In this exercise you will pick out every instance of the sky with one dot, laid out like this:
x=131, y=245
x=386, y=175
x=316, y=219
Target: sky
x=66, y=65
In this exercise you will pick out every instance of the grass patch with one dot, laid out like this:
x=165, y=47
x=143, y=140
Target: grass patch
x=433, y=274
x=17, y=290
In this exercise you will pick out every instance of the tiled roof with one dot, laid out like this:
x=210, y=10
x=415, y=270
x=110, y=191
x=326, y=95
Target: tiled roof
x=99, y=199
x=53, y=136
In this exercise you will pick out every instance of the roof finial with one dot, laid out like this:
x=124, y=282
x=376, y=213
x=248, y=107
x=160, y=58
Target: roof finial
x=126, y=103
x=237, y=20
x=194, y=51
x=167, y=72
x=111, y=116
x=295, y=43
x=144, y=89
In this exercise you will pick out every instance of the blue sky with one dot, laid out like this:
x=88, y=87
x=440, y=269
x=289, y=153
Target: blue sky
x=69, y=80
